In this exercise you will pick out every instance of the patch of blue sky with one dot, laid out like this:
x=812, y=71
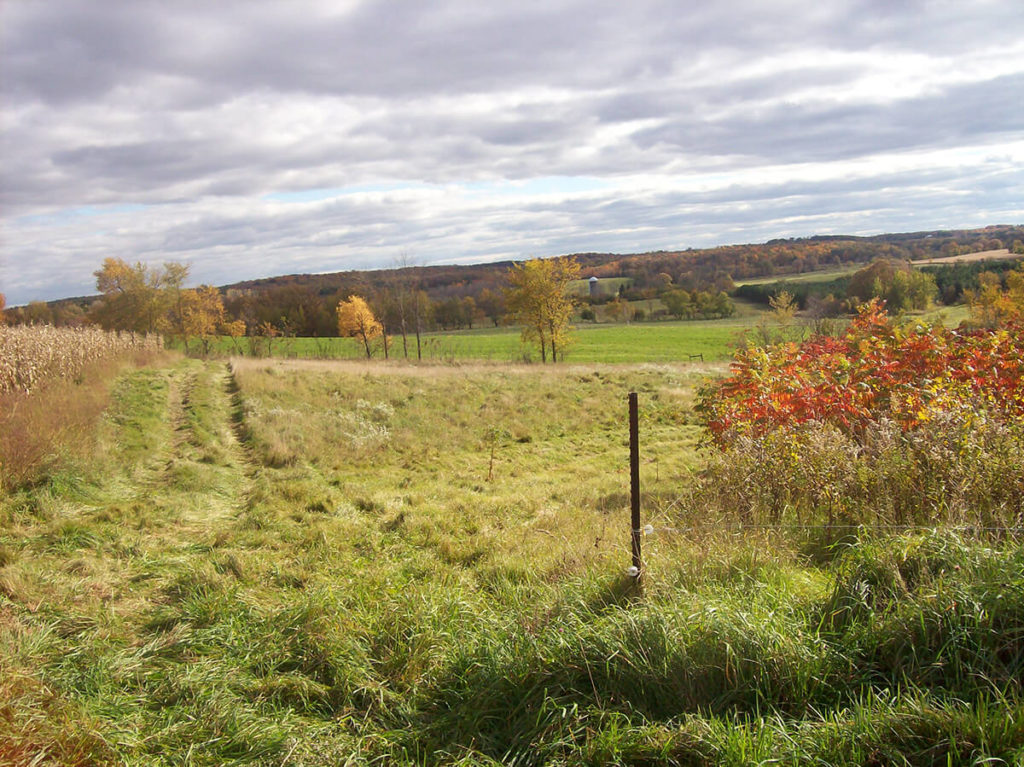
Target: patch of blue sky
x=58, y=217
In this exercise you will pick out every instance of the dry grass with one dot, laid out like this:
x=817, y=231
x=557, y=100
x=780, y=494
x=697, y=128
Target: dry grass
x=984, y=255
x=440, y=369
x=55, y=421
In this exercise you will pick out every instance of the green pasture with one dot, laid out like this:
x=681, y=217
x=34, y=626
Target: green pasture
x=599, y=342
x=820, y=275
x=823, y=275
x=660, y=341
x=606, y=286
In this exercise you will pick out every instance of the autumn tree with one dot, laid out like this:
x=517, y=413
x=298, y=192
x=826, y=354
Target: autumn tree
x=3, y=303
x=618, y=310
x=990, y=305
x=235, y=330
x=355, y=319
x=422, y=312
x=896, y=282
x=202, y=316
x=136, y=297
x=492, y=304
x=404, y=300
x=538, y=298
x=130, y=296
x=35, y=313
x=679, y=303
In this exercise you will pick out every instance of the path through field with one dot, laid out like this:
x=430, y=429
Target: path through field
x=190, y=463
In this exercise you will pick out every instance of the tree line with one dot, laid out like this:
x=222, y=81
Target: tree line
x=141, y=298
x=689, y=284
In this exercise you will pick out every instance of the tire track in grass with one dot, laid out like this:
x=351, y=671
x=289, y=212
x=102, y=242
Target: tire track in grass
x=179, y=393
x=187, y=466
x=208, y=470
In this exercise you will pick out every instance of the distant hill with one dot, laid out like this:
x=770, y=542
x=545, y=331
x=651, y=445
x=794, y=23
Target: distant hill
x=304, y=303
x=774, y=258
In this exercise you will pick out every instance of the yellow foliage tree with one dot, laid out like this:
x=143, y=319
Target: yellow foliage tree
x=3, y=303
x=990, y=305
x=136, y=297
x=202, y=315
x=618, y=309
x=355, y=319
x=538, y=298
x=235, y=330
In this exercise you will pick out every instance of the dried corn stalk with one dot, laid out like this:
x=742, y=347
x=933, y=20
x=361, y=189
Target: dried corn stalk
x=30, y=355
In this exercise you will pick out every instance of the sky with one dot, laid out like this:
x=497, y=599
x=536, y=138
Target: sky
x=253, y=139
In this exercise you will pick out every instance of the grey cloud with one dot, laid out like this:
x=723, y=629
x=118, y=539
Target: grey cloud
x=791, y=133
x=70, y=49
x=193, y=108
x=350, y=233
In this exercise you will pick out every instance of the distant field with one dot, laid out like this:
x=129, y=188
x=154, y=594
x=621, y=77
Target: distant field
x=744, y=308
x=950, y=316
x=823, y=275
x=637, y=342
x=985, y=255
x=607, y=286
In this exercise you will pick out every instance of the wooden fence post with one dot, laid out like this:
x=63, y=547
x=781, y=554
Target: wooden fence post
x=634, y=486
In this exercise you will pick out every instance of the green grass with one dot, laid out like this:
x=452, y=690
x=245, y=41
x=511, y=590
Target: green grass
x=338, y=563
x=822, y=275
x=949, y=316
x=600, y=343
x=637, y=342
x=606, y=286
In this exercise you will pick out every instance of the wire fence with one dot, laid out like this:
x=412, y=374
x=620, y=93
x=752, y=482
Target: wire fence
x=651, y=529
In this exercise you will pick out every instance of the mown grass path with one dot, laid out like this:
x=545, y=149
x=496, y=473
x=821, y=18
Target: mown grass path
x=183, y=452
x=91, y=562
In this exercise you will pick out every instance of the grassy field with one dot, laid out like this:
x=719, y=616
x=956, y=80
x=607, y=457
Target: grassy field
x=638, y=342
x=606, y=286
x=314, y=562
x=827, y=275
x=822, y=275
x=601, y=343
x=593, y=343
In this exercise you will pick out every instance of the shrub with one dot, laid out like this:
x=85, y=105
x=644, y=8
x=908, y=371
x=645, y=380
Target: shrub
x=881, y=426
x=877, y=371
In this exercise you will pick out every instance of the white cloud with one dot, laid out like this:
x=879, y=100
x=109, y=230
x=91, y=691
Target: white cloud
x=257, y=138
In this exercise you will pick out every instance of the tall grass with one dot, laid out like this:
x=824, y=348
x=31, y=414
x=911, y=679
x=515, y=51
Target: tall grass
x=55, y=423
x=948, y=471
x=329, y=591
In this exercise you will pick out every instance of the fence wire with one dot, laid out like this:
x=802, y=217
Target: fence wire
x=651, y=529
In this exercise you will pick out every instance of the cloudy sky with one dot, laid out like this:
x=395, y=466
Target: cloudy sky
x=259, y=138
